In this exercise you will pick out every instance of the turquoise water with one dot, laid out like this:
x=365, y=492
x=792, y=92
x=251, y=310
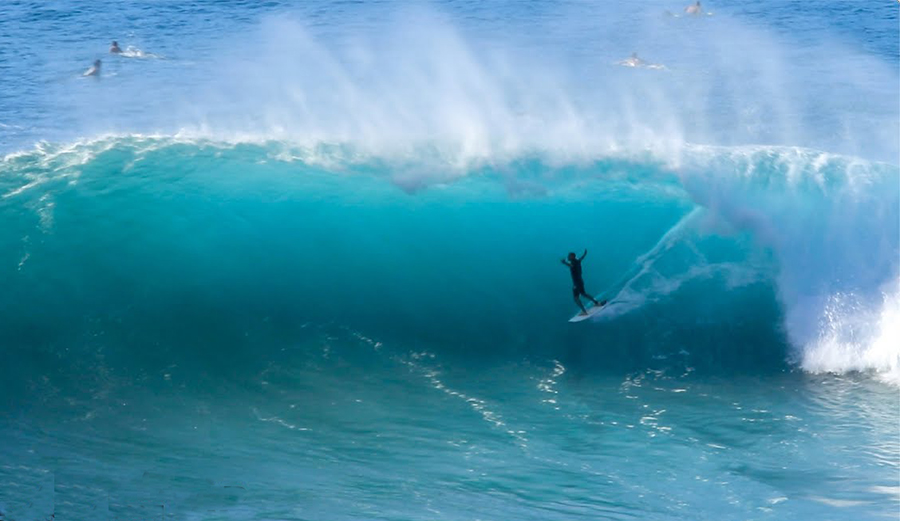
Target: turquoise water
x=302, y=262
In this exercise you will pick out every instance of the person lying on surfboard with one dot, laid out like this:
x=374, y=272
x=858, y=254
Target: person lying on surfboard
x=574, y=264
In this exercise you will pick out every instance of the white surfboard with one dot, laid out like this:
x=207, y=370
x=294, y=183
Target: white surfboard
x=591, y=311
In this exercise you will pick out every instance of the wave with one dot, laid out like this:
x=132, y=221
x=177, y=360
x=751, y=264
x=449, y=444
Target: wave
x=140, y=252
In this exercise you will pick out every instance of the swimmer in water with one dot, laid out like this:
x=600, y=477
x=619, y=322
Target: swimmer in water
x=114, y=48
x=633, y=61
x=93, y=71
x=694, y=9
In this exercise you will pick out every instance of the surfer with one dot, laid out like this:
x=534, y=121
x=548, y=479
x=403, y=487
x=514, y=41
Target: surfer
x=93, y=71
x=574, y=264
x=694, y=9
x=633, y=61
x=115, y=49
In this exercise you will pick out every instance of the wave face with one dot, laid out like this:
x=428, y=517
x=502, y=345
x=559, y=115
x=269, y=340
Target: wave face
x=129, y=254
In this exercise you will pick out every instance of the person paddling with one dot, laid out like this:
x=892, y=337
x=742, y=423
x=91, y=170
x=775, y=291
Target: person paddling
x=574, y=264
x=93, y=71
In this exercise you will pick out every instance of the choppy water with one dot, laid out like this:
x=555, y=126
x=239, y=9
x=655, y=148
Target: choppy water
x=302, y=262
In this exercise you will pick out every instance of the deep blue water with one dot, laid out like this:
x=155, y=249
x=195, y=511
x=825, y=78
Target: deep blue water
x=302, y=261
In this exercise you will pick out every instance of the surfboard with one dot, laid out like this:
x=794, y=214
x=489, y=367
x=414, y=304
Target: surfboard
x=642, y=65
x=591, y=311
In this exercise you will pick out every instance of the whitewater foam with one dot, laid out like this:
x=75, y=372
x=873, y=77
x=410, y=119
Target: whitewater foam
x=857, y=337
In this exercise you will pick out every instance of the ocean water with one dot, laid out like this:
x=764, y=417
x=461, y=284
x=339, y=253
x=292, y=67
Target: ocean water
x=301, y=261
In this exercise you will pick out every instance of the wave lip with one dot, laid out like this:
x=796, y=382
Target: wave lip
x=833, y=223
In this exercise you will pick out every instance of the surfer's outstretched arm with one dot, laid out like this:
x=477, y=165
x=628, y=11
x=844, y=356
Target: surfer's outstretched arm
x=583, y=255
x=564, y=262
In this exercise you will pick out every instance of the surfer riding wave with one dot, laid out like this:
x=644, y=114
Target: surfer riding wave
x=574, y=264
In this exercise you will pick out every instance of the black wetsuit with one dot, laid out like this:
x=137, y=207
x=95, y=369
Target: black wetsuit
x=577, y=281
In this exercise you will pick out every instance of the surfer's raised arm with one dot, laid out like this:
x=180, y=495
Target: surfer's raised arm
x=583, y=255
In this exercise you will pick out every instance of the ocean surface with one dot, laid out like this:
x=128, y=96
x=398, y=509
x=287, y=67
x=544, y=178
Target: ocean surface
x=301, y=261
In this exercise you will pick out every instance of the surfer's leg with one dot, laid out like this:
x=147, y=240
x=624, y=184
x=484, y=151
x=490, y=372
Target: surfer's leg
x=592, y=299
x=576, y=293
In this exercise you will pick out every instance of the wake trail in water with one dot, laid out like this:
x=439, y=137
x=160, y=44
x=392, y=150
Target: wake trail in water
x=625, y=298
